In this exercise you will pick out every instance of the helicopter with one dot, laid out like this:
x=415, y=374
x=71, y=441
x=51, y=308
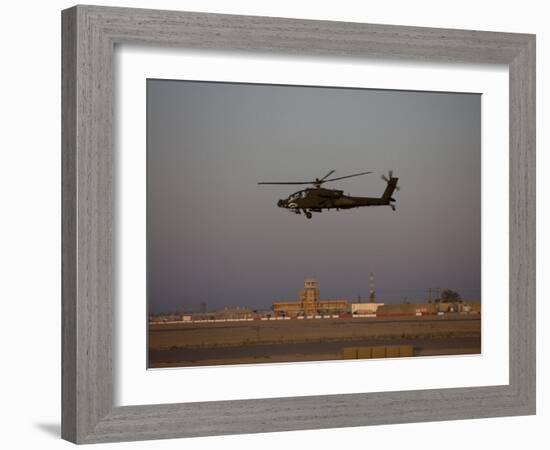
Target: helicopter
x=317, y=198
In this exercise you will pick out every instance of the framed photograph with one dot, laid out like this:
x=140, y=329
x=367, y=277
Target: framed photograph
x=285, y=216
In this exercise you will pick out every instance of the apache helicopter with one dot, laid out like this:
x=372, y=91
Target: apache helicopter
x=317, y=198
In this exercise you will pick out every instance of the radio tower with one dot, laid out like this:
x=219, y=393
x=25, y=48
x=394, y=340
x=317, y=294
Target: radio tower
x=372, y=292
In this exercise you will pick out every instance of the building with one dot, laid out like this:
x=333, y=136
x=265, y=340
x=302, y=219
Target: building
x=365, y=308
x=469, y=307
x=236, y=312
x=227, y=313
x=407, y=309
x=309, y=303
x=462, y=306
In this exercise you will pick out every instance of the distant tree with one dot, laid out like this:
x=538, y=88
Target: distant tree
x=450, y=296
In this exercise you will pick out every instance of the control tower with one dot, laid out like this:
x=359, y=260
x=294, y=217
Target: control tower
x=309, y=296
x=309, y=303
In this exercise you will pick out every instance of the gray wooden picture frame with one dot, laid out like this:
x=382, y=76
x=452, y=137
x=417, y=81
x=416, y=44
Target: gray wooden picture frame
x=89, y=37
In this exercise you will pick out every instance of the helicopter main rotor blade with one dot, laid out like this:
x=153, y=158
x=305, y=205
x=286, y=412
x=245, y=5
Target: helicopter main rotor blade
x=327, y=175
x=347, y=176
x=287, y=182
x=317, y=182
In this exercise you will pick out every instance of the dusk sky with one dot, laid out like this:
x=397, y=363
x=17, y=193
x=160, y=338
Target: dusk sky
x=215, y=236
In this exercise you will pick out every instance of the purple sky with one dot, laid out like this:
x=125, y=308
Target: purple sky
x=215, y=236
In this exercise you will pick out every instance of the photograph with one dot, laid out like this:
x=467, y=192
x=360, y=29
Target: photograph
x=311, y=223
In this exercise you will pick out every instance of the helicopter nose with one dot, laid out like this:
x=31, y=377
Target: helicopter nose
x=281, y=203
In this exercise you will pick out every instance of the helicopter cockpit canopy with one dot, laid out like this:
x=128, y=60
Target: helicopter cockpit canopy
x=297, y=195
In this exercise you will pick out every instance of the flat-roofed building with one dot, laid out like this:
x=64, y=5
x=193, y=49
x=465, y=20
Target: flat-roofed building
x=459, y=306
x=407, y=309
x=365, y=308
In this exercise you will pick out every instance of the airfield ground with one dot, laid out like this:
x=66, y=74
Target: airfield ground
x=200, y=344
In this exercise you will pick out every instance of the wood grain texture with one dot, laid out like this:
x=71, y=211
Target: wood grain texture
x=89, y=36
x=68, y=226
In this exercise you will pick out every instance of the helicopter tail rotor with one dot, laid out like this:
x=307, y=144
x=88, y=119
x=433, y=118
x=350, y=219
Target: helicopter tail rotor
x=390, y=188
x=388, y=179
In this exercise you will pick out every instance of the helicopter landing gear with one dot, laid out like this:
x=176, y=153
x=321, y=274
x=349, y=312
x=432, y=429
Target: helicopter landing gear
x=392, y=207
x=308, y=214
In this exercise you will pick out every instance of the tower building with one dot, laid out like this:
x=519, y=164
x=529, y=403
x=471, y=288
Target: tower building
x=310, y=303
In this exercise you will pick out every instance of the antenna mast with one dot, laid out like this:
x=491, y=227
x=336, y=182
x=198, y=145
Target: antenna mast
x=372, y=292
